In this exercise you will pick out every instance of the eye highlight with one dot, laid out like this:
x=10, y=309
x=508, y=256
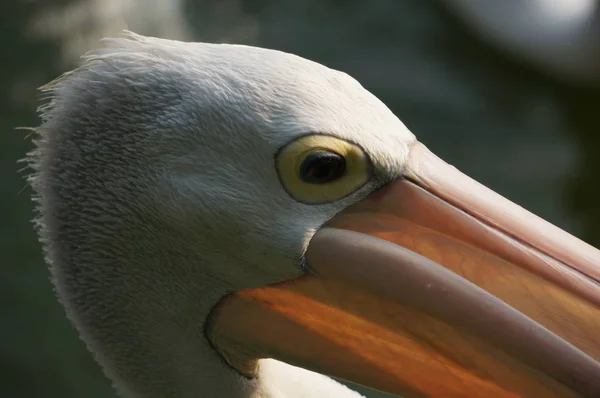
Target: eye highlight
x=319, y=169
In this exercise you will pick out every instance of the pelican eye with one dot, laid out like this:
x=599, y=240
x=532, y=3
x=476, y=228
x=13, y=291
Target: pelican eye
x=317, y=169
x=321, y=167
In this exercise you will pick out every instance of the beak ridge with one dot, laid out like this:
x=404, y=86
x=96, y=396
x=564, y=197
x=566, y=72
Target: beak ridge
x=435, y=176
x=434, y=286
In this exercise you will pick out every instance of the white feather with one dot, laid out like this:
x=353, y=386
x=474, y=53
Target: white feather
x=158, y=196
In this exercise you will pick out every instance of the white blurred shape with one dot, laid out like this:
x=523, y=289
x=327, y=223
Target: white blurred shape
x=561, y=37
x=80, y=24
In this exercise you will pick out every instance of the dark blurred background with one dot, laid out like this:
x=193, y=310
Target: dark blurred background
x=511, y=98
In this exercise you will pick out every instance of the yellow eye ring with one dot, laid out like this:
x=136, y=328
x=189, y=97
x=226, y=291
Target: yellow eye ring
x=317, y=169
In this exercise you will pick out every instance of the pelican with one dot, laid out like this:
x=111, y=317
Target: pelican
x=231, y=221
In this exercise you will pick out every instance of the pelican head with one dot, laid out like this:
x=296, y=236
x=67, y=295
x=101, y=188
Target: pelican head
x=219, y=218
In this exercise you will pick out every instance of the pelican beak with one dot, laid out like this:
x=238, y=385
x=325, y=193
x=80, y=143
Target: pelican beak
x=433, y=286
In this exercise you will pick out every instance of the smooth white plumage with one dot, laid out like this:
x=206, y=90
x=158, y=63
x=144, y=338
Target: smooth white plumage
x=158, y=196
x=172, y=176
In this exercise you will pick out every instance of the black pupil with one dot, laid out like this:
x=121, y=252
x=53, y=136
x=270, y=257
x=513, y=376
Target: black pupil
x=321, y=167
